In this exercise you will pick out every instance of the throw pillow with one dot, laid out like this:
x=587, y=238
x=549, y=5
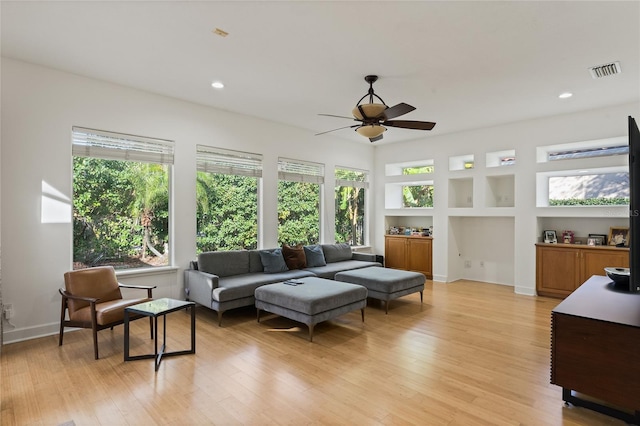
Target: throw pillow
x=314, y=255
x=337, y=252
x=273, y=261
x=294, y=256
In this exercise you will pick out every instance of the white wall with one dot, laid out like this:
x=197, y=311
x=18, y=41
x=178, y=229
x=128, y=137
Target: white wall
x=462, y=233
x=39, y=108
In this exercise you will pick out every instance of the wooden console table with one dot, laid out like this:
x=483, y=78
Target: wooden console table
x=595, y=348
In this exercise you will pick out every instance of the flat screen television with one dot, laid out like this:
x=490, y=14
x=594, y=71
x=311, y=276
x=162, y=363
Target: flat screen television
x=634, y=206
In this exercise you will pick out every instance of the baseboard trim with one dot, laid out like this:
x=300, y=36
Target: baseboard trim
x=525, y=291
x=28, y=333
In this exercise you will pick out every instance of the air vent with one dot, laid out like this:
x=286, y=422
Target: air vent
x=605, y=70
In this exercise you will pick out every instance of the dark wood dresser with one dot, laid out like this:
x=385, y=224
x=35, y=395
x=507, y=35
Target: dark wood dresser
x=595, y=349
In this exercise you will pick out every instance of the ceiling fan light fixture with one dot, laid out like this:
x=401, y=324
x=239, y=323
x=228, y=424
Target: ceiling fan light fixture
x=371, y=130
x=371, y=110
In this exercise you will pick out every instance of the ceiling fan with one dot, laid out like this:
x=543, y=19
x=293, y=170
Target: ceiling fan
x=374, y=118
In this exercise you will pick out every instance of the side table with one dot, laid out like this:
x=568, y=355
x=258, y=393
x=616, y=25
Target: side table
x=154, y=309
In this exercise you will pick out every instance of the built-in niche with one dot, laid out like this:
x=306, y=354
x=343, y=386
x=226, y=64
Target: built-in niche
x=461, y=162
x=500, y=191
x=408, y=222
x=471, y=237
x=501, y=158
x=580, y=226
x=461, y=193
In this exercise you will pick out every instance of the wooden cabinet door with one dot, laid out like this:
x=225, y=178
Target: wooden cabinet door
x=558, y=271
x=419, y=256
x=594, y=262
x=395, y=252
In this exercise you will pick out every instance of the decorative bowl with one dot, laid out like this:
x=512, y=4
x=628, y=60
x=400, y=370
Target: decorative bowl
x=618, y=275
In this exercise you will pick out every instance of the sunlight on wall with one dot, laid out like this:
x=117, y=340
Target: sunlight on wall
x=55, y=206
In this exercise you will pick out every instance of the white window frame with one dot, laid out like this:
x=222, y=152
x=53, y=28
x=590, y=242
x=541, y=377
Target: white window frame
x=223, y=161
x=357, y=184
x=107, y=145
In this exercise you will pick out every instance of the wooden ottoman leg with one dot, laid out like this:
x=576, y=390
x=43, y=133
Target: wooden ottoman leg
x=421, y=297
x=311, y=332
x=258, y=314
x=362, y=311
x=386, y=307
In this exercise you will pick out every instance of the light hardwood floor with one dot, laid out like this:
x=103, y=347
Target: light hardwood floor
x=472, y=354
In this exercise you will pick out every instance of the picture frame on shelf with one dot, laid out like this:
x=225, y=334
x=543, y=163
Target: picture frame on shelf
x=601, y=239
x=549, y=236
x=619, y=236
x=592, y=241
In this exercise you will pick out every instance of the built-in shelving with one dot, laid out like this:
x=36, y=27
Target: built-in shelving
x=500, y=191
x=461, y=193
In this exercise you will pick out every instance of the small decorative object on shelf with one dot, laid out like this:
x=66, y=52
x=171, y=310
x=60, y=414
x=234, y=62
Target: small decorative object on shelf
x=619, y=236
x=567, y=237
x=601, y=239
x=549, y=236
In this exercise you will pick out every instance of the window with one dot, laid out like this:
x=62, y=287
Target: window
x=417, y=196
x=417, y=170
x=609, y=147
x=589, y=189
x=299, y=188
x=227, y=199
x=589, y=152
x=350, y=204
x=120, y=199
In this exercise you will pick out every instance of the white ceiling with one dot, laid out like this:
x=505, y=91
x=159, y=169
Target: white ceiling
x=464, y=65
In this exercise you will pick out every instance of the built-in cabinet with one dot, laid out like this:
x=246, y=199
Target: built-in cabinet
x=411, y=253
x=562, y=268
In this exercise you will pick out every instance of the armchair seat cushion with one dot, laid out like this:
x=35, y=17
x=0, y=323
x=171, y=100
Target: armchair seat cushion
x=106, y=312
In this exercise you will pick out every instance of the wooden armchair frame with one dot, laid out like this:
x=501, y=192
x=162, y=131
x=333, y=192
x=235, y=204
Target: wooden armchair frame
x=93, y=324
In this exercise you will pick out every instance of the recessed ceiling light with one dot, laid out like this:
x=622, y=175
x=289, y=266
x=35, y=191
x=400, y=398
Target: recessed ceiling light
x=565, y=95
x=217, y=85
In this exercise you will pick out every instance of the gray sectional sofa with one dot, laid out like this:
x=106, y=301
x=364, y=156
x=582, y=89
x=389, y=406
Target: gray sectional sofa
x=223, y=280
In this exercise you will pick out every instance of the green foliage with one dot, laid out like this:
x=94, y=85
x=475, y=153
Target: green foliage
x=417, y=196
x=617, y=201
x=109, y=199
x=349, y=208
x=349, y=215
x=298, y=212
x=227, y=212
x=417, y=170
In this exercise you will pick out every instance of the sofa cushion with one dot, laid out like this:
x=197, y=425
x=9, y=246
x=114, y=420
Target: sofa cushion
x=314, y=256
x=331, y=269
x=336, y=252
x=272, y=261
x=242, y=286
x=294, y=256
x=224, y=263
x=255, y=264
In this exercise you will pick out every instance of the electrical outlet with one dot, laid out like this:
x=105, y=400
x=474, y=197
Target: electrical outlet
x=467, y=264
x=8, y=311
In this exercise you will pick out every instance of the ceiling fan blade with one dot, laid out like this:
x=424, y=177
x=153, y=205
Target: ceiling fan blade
x=338, y=116
x=377, y=138
x=339, y=128
x=397, y=111
x=409, y=124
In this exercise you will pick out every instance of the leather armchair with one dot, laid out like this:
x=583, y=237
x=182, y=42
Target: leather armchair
x=93, y=299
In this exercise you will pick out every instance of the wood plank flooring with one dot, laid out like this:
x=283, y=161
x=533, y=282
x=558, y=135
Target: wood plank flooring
x=472, y=354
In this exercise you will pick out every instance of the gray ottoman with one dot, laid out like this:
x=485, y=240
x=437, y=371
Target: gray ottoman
x=385, y=283
x=314, y=301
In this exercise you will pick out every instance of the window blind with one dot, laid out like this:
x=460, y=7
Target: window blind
x=352, y=177
x=300, y=171
x=228, y=162
x=118, y=146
